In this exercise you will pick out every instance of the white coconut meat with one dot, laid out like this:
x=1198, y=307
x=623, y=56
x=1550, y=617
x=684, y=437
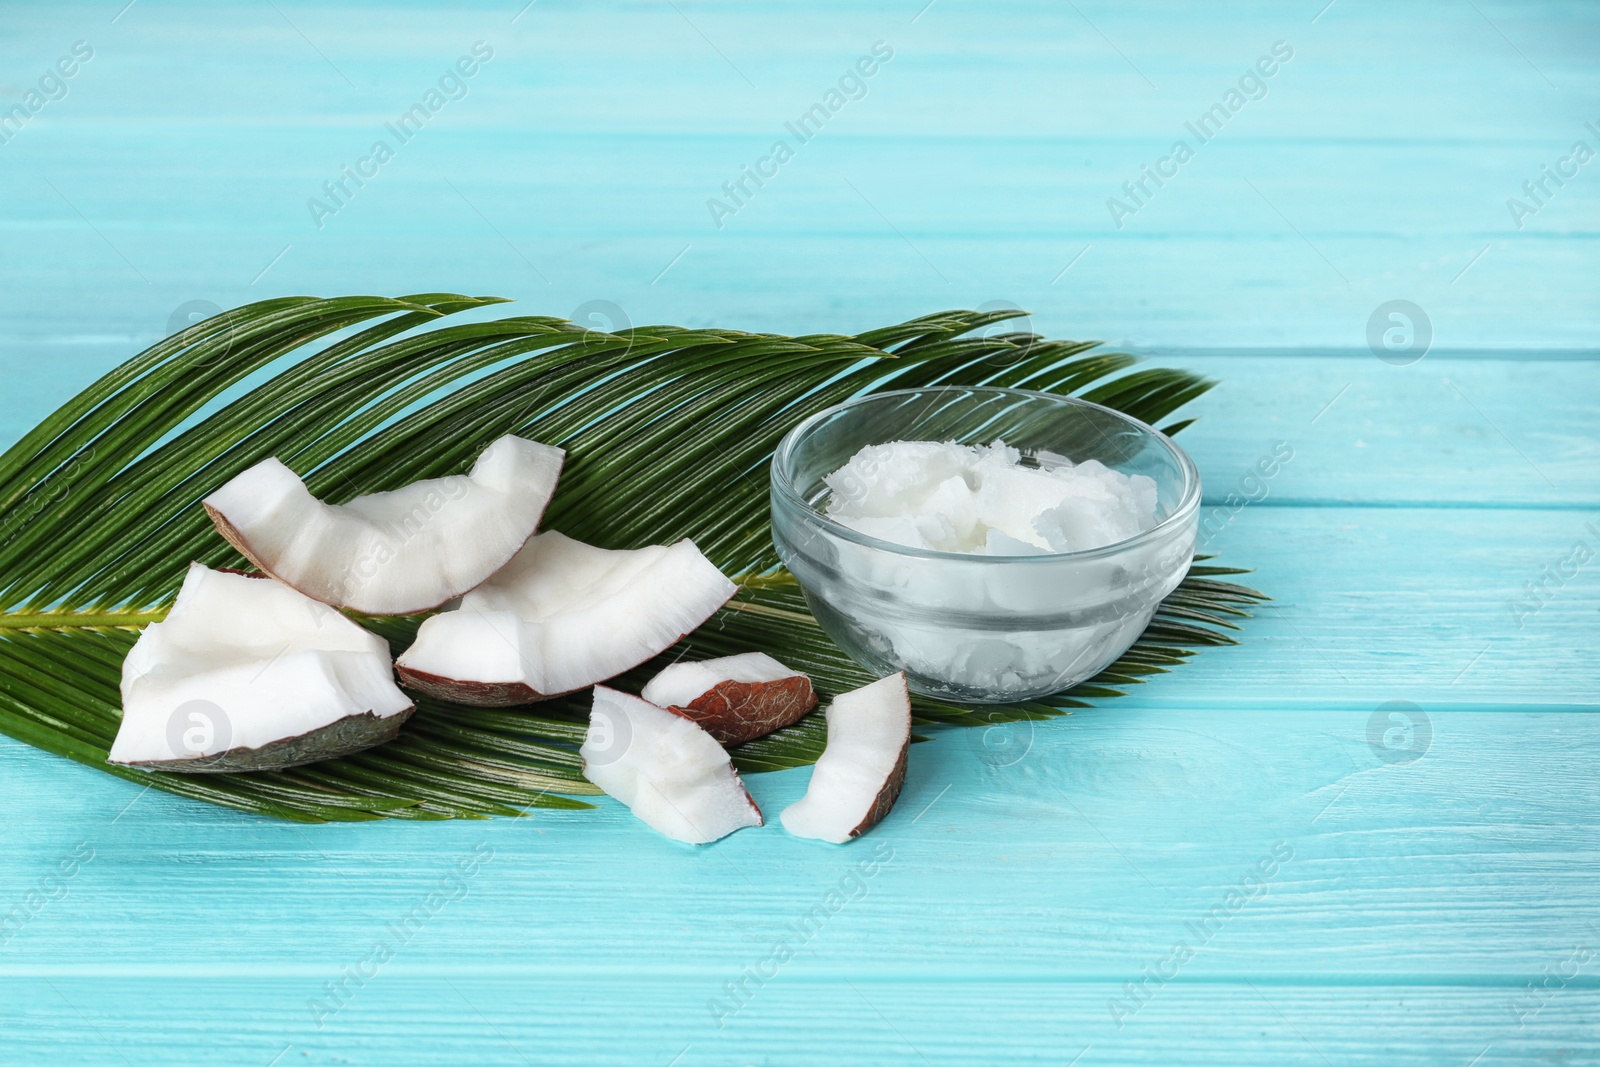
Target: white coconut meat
x=560, y=616
x=858, y=777
x=666, y=769
x=393, y=553
x=984, y=500
x=735, y=698
x=248, y=674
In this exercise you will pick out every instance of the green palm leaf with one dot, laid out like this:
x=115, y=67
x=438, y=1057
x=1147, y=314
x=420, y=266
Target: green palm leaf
x=668, y=432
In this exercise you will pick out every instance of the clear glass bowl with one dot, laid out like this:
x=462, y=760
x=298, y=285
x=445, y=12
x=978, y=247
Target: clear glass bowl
x=979, y=628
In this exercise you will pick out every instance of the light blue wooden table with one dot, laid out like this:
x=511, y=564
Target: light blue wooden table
x=1349, y=889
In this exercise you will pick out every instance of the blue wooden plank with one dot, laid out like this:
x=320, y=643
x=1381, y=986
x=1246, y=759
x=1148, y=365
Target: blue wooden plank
x=1446, y=432
x=1075, y=850
x=975, y=176
x=1440, y=606
x=627, y=1022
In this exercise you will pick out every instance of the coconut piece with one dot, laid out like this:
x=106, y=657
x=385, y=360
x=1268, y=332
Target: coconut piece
x=563, y=615
x=735, y=698
x=858, y=777
x=393, y=553
x=665, y=768
x=246, y=674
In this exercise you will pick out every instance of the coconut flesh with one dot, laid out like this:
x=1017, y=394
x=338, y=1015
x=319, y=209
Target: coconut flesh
x=984, y=501
x=246, y=674
x=858, y=777
x=735, y=698
x=563, y=615
x=393, y=553
x=665, y=768
x=981, y=499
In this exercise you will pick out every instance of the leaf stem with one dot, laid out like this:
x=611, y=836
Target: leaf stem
x=775, y=613
x=80, y=620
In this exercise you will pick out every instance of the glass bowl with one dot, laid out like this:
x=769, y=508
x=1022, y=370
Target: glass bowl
x=980, y=628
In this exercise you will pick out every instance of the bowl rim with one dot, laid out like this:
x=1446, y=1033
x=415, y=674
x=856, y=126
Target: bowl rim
x=1188, y=499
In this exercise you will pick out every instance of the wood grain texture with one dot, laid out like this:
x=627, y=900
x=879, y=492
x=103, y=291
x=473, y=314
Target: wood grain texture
x=966, y=174
x=1073, y=849
x=495, y=1021
x=1384, y=603
x=1031, y=871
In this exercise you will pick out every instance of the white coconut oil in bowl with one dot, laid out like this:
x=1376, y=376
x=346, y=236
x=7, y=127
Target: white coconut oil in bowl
x=1015, y=612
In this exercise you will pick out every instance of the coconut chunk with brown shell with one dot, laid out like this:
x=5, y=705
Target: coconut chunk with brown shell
x=859, y=775
x=561, y=616
x=665, y=768
x=393, y=553
x=735, y=698
x=246, y=674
